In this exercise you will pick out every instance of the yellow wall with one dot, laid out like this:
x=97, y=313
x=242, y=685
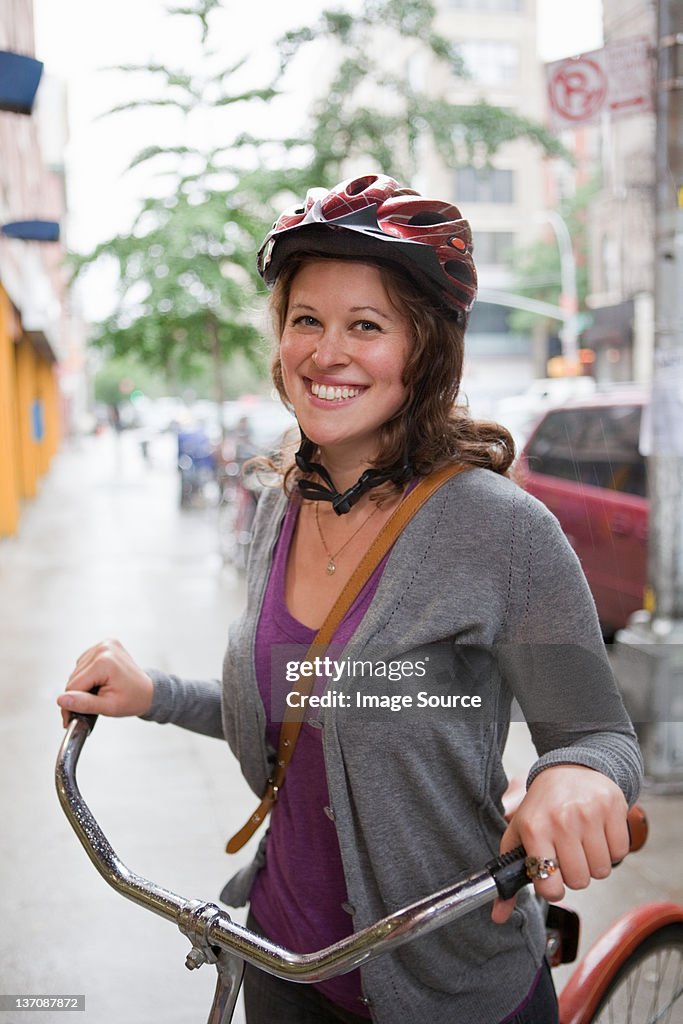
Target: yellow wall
x=44, y=394
x=26, y=388
x=9, y=453
x=26, y=377
x=53, y=412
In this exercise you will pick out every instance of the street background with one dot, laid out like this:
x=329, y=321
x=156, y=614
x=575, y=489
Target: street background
x=103, y=551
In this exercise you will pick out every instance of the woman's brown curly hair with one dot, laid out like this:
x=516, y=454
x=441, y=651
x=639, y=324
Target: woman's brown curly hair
x=430, y=427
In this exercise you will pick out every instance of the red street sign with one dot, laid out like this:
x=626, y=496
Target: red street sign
x=617, y=80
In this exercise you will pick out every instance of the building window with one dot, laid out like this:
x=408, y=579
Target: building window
x=493, y=247
x=484, y=185
x=490, y=61
x=497, y=6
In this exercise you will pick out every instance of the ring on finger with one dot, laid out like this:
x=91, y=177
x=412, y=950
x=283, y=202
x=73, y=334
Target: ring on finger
x=540, y=867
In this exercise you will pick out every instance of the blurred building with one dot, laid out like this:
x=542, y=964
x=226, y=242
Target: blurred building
x=33, y=295
x=622, y=224
x=505, y=203
x=497, y=41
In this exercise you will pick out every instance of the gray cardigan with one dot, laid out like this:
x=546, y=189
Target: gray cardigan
x=482, y=590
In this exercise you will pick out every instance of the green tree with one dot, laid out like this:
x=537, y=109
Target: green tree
x=375, y=107
x=188, y=291
x=187, y=288
x=120, y=376
x=188, y=285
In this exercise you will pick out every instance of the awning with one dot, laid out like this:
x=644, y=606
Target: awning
x=32, y=230
x=42, y=345
x=19, y=79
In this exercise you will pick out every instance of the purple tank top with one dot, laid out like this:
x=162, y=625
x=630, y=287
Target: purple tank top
x=299, y=896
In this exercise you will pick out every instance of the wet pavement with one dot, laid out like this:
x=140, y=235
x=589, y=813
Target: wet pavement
x=106, y=551
x=103, y=551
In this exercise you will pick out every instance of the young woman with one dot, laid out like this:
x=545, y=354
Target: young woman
x=480, y=597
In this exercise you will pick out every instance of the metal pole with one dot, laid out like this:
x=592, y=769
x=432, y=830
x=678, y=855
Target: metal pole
x=666, y=463
x=649, y=653
x=568, y=299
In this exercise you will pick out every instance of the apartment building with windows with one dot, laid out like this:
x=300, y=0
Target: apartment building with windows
x=497, y=41
x=622, y=223
x=33, y=308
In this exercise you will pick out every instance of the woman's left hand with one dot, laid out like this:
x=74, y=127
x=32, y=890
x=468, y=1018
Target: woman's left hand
x=575, y=816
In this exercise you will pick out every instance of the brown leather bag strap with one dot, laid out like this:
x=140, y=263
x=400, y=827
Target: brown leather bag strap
x=293, y=718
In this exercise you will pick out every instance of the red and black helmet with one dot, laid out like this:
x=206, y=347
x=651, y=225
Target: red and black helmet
x=375, y=216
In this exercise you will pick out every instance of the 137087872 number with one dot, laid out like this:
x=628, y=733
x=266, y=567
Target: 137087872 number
x=42, y=1002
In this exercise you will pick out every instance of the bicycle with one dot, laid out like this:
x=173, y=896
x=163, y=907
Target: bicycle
x=236, y=511
x=632, y=975
x=240, y=483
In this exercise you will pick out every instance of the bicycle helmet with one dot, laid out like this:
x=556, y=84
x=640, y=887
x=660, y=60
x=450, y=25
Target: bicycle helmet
x=373, y=215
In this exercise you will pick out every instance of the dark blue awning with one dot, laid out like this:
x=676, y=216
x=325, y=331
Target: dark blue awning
x=32, y=230
x=19, y=78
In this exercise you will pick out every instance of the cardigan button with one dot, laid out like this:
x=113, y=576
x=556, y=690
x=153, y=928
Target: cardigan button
x=330, y=813
x=315, y=723
x=348, y=908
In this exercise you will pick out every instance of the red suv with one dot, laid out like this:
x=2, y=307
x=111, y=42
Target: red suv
x=582, y=460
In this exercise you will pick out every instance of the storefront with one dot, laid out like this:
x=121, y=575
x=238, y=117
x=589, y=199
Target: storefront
x=29, y=412
x=610, y=337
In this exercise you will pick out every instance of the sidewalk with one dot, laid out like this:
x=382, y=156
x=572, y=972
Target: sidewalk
x=105, y=551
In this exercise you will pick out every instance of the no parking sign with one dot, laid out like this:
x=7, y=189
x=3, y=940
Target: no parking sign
x=618, y=80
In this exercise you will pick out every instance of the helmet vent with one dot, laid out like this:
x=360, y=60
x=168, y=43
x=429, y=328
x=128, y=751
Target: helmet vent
x=426, y=218
x=371, y=215
x=354, y=188
x=460, y=271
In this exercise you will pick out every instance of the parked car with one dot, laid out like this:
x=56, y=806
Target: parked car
x=521, y=411
x=583, y=461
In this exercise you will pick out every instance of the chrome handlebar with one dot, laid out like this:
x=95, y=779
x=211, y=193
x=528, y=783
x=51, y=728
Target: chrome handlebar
x=216, y=938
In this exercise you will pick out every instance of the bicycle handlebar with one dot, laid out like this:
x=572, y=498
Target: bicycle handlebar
x=208, y=926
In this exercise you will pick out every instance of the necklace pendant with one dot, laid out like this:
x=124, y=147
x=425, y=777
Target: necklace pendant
x=331, y=567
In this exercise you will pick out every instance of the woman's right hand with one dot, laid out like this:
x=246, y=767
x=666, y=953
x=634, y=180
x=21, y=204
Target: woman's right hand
x=124, y=689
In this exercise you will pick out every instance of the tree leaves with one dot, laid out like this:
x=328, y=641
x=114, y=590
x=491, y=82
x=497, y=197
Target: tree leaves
x=186, y=268
x=373, y=107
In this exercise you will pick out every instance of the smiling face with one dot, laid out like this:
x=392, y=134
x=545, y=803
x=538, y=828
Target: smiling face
x=343, y=350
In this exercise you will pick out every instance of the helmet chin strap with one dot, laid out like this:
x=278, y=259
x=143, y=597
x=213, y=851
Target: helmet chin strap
x=313, y=490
